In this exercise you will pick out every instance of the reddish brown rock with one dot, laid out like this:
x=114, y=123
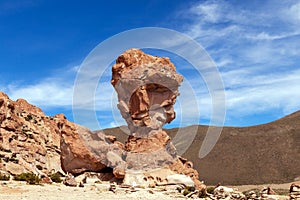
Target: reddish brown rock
x=46, y=180
x=147, y=88
x=135, y=58
x=76, y=156
x=181, y=166
x=146, y=145
x=111, y=138
x=25, y=106
x=82, y=150
x=29, y=140
x=70, y=181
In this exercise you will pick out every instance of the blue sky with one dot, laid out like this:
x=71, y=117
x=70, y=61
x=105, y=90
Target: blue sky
x=255, y=45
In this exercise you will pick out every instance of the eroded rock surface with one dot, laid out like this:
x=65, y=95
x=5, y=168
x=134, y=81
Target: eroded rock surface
x=83, y=150
x=147, y=88
x=29, y=140
x=32, y=142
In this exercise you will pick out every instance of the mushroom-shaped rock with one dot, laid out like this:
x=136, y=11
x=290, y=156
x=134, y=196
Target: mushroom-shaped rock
x=147, y=87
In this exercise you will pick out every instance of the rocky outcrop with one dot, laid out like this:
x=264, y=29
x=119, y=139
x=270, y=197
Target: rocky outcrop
x=147, y=88
x=70, y=181
x=82, y=150
x=29, y=140
x=32, y=142
x=76, y=156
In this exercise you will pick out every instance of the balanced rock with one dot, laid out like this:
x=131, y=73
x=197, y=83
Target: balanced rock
x=147, y=88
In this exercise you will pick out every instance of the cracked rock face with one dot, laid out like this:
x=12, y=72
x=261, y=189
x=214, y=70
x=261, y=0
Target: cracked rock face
x=32, y=142
x=29, y=140
x=147, y=87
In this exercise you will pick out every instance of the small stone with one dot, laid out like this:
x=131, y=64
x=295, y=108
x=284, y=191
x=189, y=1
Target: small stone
x=70, y=181
x=46, y=180
x=81, y=184
x=113, y=188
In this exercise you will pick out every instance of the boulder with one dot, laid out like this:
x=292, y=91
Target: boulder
x=76, y=156
x=222, y=192
x=180, y=179
x=32, y=142
x=147, y=88
x=70, y=181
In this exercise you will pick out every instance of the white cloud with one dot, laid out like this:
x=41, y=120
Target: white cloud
x=210, y=12
x=255, y=94
x=257, y=50
x=247, y=94
x=294, y=12
x=267, y=36
x=48, y=93
x=215, y=20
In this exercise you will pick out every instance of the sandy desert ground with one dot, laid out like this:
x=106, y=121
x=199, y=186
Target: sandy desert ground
x=21, y=190
x=13, y=190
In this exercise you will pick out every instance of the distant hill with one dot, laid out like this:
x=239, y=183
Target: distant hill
x=268, y=153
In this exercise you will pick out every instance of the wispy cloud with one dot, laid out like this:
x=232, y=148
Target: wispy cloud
x=260, y=93
x=255, y=48
x=57, y=91
x=47, y=93
x=54, y=94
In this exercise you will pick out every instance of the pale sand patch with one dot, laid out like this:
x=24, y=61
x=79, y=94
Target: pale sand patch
x=13, y=190
x=242, y=188
x=22, y=191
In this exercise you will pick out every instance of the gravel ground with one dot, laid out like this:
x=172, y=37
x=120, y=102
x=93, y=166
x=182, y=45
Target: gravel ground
x=13, y=190
x=20, y=190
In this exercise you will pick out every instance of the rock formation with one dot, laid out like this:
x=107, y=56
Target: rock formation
x=29, y=140
x=82, y=150
x=147, y=88
x=32, y=142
